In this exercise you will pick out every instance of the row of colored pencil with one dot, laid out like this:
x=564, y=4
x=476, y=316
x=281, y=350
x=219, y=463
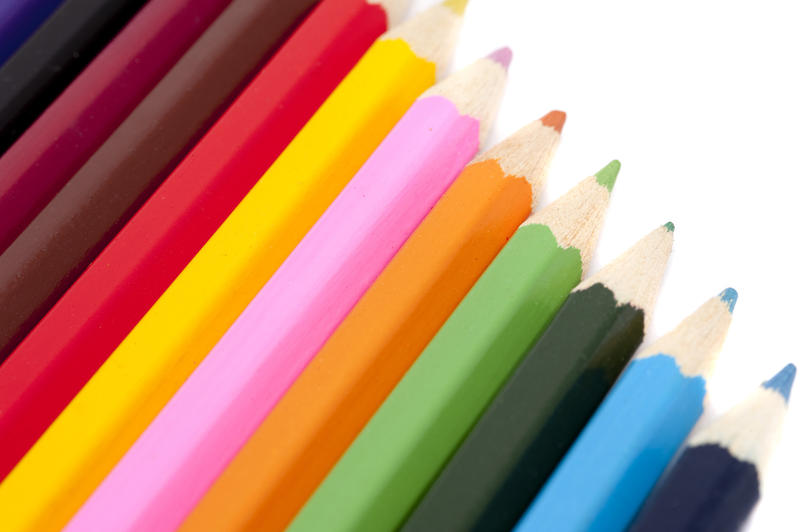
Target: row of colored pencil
x=96, y=312
x=255, y=274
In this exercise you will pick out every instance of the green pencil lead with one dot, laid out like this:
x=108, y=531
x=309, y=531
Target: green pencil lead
x=670, y=227
x=608, y=175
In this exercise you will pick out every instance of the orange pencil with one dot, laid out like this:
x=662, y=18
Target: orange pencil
x=295, y=447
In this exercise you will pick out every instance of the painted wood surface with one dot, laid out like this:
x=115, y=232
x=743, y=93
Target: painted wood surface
x=611, y=467
x=90, y=320
x=408, y=440
x=258, y=358
x=324, y=410
x=115, y=406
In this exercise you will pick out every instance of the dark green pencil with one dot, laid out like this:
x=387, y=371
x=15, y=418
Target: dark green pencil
x=542, y=408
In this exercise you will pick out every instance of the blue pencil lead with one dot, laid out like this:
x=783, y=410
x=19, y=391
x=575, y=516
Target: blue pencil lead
x=782, y=381
x=729, y=296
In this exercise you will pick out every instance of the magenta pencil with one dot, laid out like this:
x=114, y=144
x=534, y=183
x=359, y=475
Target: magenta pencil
x=54, y=147
x=185, y=448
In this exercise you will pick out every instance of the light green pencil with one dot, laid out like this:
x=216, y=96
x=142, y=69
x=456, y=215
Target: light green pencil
x=389, y=466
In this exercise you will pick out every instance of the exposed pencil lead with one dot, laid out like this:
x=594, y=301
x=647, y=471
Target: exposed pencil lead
x=458, y=6
x=608, y=175
x=697, y=340
x=554, y=119
x=576, y=218
x=782, y=381
x=527, y=154
x=635, y=276
x=729, y=296
x=670, y=227
x=502, y=56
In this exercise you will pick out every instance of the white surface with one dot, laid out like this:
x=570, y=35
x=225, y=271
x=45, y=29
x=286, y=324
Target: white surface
x=699, y=101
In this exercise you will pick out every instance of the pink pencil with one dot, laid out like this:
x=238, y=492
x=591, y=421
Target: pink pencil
x=176, y=459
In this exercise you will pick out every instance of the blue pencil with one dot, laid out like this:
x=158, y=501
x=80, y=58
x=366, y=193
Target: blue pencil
x=606, y=475
x=715, y=483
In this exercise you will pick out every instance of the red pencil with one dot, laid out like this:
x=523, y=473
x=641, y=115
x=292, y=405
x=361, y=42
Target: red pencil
x=46, y=370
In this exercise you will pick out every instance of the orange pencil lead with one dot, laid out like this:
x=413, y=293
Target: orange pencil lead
x=555, y=119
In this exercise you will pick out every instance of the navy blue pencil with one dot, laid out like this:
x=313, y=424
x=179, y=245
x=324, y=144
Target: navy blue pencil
x=714, y=485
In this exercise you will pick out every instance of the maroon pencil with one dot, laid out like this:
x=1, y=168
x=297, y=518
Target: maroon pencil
x=54, y=147
x=77, y=223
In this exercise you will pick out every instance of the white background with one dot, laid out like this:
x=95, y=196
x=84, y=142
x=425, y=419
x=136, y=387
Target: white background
x=699, y=101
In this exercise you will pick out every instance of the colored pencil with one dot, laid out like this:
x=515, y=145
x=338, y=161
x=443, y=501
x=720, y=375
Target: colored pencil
x=84, y=216
x=184, y=449
x=90, y=320
x=716, y=482
x=52, y=56
x=38, y=164
x=20, y=18
x=549, y=397
x=104, y=419
x=320, y=415
x=605, y=476
x=398, y=453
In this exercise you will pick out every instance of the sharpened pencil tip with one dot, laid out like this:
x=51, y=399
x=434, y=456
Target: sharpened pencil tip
x=608, y=175
x=670, y=227
x=555, y=119
x=502, y=56
x=729, y=297
x=458, y=6
x=782, y=381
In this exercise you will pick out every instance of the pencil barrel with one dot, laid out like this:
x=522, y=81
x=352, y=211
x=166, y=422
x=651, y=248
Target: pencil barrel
x=535, y=417
x=409, y=439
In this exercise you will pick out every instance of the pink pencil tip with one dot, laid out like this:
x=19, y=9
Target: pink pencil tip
x=502, y=56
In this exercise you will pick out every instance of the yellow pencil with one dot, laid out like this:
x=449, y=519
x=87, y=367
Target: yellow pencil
x=82, y=445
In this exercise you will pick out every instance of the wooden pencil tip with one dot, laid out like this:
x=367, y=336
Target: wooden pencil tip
x=394, y=9
x=635, y=276
x=608, y=175
x=502, y=56
x=670, y=227
x=782, y=382
x=458, y=6
x=729, y=296
x=555, y=119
